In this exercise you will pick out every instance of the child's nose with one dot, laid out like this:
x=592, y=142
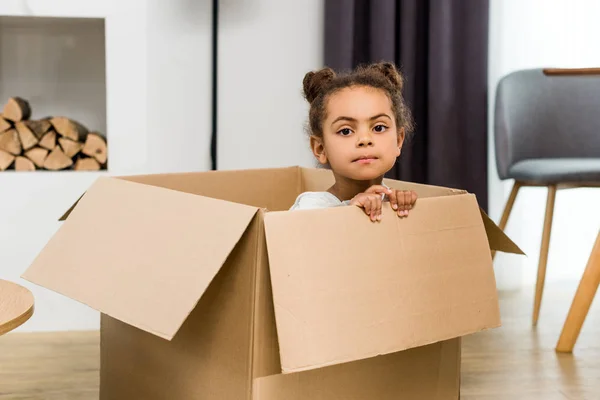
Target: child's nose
x=365, y=140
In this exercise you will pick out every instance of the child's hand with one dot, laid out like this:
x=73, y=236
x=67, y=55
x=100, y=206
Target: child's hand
x=402, y=201
x=370, y=201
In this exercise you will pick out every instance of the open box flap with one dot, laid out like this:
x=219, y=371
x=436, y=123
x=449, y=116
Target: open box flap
x=141, y=254
x=497, y=238
x=68, y=212
x=270, y=188
x=346, y=289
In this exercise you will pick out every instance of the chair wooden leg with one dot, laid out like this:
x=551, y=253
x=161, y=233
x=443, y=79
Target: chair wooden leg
x=581, y=302
x=541, y=275
x=508, y=208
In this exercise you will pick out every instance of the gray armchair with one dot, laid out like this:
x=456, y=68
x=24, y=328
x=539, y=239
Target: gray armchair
x=547, y=133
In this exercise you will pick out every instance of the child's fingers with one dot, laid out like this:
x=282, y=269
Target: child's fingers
x=372, y=207
x=375, y=207
x=371, y=212
x=378, y=204
x=403, y=204
x=407, y=200
x=393, y=196
x=366, y=202
x=378, y=189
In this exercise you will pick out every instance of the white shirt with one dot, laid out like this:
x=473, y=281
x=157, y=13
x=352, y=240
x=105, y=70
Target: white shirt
x=312, y=200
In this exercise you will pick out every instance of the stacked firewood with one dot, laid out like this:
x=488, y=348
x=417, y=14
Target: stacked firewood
x=50, y=143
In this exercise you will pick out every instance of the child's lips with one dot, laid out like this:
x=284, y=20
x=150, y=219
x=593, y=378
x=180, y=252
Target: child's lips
x=365, y=159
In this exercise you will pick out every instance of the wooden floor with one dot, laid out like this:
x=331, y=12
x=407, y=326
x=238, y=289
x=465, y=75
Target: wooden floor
x=513, y=362
x=519, y=362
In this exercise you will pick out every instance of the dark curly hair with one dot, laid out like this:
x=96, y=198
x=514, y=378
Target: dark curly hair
x=319, y=85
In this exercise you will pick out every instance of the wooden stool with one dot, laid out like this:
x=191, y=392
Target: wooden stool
x=581, y=302
x=16, y=306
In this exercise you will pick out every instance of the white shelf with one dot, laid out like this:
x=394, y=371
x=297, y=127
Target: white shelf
x=57, y=8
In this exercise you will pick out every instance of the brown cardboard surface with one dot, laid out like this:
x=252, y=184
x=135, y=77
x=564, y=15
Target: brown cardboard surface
x=449, y=370
x=425, y=373
x=365, y=289
x=141, y=254
x=266, y=347
x=209, y=358
x=274, y=189
x=314, y=179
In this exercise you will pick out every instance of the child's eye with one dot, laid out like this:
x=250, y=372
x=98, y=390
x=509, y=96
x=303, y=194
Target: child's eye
x=380, y=128
x=345, y=131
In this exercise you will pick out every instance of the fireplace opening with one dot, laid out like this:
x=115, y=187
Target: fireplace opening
x=52, y=94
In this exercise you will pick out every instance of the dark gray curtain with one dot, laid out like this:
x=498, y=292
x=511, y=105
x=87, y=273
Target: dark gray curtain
x=441, y=48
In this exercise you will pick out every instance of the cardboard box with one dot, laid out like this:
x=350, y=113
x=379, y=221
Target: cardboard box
x=209, y=288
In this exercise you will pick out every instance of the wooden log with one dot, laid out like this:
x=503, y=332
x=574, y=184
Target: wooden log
x=69, y=128
x=9, y=142
x=39, y=127
x=86, y=164
x=26, y=135
x=4, y=124
x=16, y=109
x=57, y=160
x=37, y=155
x=24, y=164
x=70, y=147
x=95, y=146
x=6, y=160
x=48, y=141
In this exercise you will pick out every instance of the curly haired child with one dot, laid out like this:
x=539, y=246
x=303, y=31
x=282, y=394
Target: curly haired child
x=358, y=123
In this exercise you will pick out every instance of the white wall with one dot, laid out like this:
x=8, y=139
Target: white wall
x=179, y=99
x=158, y=108
x=532, y=34
x=265, y=48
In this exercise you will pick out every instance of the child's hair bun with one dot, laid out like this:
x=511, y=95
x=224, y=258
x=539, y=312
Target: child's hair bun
x=314, y=82
x=390, y=72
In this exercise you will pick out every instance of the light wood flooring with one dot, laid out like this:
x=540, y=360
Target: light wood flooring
x=513, y=362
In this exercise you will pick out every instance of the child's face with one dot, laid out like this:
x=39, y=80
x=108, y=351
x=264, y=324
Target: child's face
x=360, y=137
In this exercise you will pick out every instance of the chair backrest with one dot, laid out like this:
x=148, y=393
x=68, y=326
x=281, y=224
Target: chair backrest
x=546, y=116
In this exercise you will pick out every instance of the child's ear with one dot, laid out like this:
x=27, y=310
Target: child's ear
x=401, y=134
x=318, y=149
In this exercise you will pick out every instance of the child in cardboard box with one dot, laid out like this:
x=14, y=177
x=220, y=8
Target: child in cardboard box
x=358, y=123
